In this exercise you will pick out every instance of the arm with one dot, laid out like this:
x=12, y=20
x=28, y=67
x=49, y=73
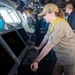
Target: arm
x=44, y=52
x=32, y=18
x=44, y=41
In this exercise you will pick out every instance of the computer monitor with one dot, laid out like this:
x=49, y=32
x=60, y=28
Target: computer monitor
x=23, y=34
x=6, y=62
x=13, y=41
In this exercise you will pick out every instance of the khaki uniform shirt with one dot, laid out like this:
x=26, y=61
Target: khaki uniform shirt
x=64, y=39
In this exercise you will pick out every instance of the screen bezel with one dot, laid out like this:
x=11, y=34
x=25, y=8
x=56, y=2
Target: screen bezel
x=27, y=36
x=16, y=64
x=22, y=54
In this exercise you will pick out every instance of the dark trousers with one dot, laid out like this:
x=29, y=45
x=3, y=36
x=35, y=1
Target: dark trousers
x=46, y=66
x=25, y=70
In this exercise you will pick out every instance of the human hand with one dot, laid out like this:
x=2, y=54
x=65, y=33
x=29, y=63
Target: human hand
x=34, y=66
x=35, y=47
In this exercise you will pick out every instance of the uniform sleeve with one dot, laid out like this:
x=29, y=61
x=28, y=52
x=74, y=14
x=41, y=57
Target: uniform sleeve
x=57, y=33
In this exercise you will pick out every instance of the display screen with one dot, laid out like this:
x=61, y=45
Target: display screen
x=15, y=43
x=24, y=35
x=6, y=61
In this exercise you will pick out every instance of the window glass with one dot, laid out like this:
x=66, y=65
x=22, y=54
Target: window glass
x=10, y=16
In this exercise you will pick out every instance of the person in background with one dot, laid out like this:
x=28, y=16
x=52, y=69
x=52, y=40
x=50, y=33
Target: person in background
x=61, y=38
x=71, y=17
x=30, y=19
x=30, y=13
x=40, y=29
